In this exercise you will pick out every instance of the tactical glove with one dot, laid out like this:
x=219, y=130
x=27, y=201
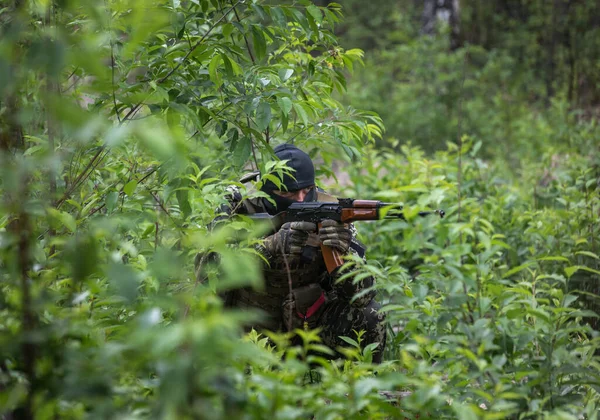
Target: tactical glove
x=290, y=239
x=335, y=235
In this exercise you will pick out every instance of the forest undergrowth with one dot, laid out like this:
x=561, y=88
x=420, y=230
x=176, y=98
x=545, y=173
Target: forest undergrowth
x=124, y=123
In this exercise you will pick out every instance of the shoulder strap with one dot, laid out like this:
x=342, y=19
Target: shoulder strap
x=253, y=206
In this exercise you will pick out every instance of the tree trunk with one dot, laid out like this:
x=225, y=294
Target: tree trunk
x=442, y=10
x=11, y=132
x=429, y=16
x=455, y=36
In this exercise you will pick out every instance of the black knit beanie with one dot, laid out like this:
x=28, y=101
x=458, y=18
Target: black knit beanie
x=304, y=176
x=302, y=167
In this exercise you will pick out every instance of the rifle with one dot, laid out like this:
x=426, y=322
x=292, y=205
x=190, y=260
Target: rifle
x=345, y=210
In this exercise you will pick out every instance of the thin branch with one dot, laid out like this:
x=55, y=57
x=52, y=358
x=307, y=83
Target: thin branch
x=72, y=85
x=163, y=208
x=199, y=279
x=141, y=118
x=112, y=68
x=135, y=109
x=82, y=176
x=69, y=176
x=290, y=286
x=156, y=168
x=22, y=230
x=254, y=154
x=162, y=80
x=459, y=175
x=244, y=35
x=121, y=192
x=159, y=203
x=252, y=146
x=112, y=62
x=459, y=134
x=72, y=74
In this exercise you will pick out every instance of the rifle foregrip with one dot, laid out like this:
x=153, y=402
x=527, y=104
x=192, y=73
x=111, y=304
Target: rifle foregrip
x=333, y=258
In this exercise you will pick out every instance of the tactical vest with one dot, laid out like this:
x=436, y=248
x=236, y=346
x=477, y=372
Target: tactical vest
x=278, y=282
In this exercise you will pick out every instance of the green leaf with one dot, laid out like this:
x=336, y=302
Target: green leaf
x=285, y=104
x=517, y=269
x=350, y=341
x=184, y=202
x=279, y=17
x=285, y=74
x=82, y=254
x=260, y=44
x=63, y=218
x=315, y=12
x=466, y=411
x=156, y=139
x=569, y=271
x=239, y=271
x=365, y=386
x=227, y=64
x=369, y=348
x=35, y=149
x=130, y=187
x=227, y=29
x=285, y=119
x=242, y=151
x=212, y=69
x=562, y=259
x=568, y=299
x=301, y=112
x=312, y=24
x=111, y=200
x=124, y=280
x=588, y=254
x=539, y=314
x=263, y=116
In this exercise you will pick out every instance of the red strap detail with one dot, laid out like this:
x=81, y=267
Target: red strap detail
x=313, y=308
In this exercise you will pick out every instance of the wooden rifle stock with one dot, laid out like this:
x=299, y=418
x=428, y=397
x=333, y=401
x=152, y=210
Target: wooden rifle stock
x=333, y=258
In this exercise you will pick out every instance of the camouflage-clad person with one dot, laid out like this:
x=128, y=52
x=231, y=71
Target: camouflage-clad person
x=295, y=263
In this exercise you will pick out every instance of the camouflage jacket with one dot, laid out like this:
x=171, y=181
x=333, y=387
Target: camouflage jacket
x=278, y=276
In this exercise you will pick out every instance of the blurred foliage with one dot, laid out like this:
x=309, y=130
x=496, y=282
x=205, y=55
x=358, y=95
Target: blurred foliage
x=123, y=122
x=493, y=309
x=516, y=75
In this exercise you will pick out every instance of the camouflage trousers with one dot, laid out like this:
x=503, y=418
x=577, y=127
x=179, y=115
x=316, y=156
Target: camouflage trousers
x=341, y=319
x=336, y=318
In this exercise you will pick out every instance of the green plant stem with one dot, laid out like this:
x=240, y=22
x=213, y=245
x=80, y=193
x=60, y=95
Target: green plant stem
x=245, y=38
x=28, y=324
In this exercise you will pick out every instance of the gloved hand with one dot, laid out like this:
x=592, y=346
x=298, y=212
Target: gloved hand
x=335, y=235
x=290, y=239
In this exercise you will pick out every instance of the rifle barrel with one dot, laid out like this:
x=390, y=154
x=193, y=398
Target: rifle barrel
x=398, y=214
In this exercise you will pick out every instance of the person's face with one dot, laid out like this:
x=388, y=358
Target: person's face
x=298, y=195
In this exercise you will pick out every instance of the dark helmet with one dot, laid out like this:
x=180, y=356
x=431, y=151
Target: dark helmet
x=302, y=167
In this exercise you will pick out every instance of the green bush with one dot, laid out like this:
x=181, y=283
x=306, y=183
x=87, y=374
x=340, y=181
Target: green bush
x=427, y=95
x=484, y=306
